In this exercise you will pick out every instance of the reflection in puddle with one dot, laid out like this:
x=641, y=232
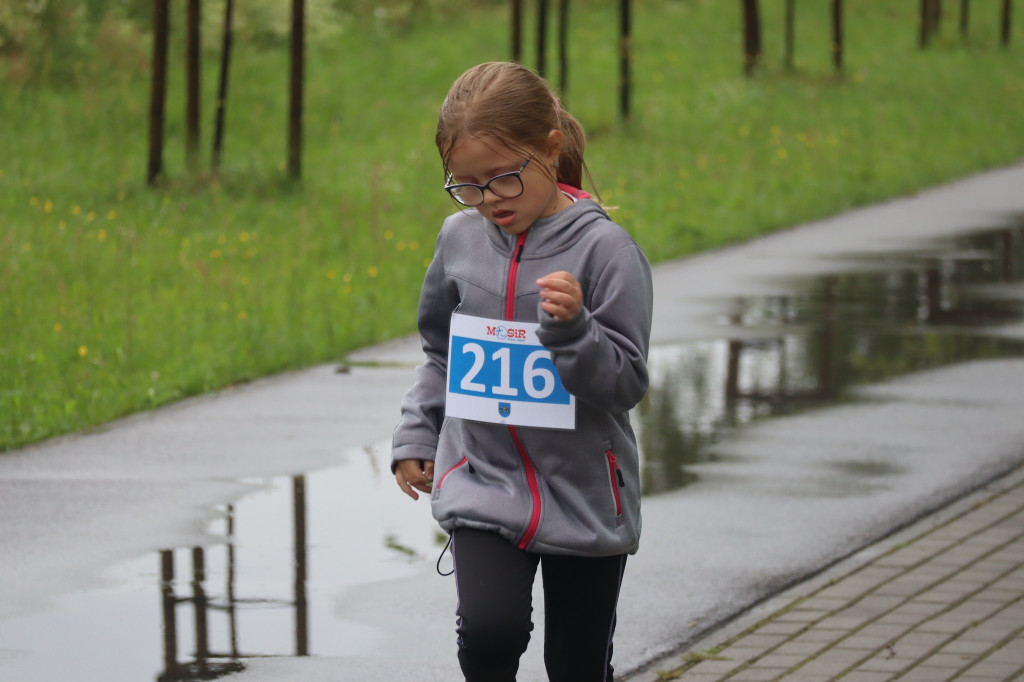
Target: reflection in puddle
x=908, y=312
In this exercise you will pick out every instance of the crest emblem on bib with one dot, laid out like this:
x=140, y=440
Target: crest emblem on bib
x=505, y=409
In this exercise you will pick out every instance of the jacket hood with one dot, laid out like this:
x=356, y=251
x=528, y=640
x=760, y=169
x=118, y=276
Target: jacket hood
x=548, y=236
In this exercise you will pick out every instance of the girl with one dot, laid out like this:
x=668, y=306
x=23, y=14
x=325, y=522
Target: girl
x=530, y=248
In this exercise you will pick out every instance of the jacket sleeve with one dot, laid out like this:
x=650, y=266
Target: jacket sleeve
x=416, y=435
x=601, y=354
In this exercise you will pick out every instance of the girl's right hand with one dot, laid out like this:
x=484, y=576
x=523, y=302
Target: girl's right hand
x=413, y=475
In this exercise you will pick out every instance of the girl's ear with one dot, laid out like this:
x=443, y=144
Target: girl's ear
x=553, y=147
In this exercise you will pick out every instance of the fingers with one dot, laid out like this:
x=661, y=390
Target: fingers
x=412, y=475
x=561, y=295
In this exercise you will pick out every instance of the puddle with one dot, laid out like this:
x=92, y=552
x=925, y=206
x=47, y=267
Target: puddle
x=272, y=582
x=901, y=313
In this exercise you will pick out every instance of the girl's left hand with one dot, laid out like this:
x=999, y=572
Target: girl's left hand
x=560, y=294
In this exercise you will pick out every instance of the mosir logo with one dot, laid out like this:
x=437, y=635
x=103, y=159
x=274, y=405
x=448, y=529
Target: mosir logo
x=507, y=334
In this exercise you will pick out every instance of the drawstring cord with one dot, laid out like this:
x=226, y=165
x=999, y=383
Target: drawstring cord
x=446, y=547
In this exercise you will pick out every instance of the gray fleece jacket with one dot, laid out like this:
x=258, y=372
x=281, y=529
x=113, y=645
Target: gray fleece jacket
x=553, y=491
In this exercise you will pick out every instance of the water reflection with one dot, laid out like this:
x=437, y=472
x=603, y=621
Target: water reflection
x=208, y=663
x=906, y=312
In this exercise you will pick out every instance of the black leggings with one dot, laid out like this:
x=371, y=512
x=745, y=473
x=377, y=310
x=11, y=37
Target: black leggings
x=495, y=585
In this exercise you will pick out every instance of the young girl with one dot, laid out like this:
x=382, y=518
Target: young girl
x=526, y=247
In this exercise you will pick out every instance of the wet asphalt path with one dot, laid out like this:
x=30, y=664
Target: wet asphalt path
x=780, y=499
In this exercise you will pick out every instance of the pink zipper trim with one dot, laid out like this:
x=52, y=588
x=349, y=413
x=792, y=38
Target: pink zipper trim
x=531, y=479
x=531, y=473
x=460, y=463
x=616, y=477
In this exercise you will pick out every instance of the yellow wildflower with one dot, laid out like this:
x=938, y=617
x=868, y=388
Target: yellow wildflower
x=372, y=271
x=83, y=351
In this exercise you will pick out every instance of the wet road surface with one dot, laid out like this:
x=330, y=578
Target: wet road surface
x=811, y=391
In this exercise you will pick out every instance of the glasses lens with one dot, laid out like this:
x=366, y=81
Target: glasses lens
x=470, y=196
x=507, y=186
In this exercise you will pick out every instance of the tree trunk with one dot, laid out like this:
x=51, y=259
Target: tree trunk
x=158, y=90
x=625, y=57
x=563, y=48
x=542, y=37
x=1006, y=22
x=516, y=21
x=222, y=86
x=790, y=34
x=965, y=17
x=192, y=85
x=295, y=90
x=837, y=34
x=751, y=35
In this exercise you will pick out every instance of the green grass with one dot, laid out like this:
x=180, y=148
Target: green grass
x=116, y=298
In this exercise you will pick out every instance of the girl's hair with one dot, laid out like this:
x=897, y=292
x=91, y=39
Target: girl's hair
x=513, y=104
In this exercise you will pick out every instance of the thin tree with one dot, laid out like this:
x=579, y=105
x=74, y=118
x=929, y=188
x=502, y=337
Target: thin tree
x=625, y=57
x=222, y=86
x=563, y=48
x=1006, y=22
x=837, y=34
x=158, y=90
x=192, y=84
x=516, y=21
x=965, y=18
x=790, y=37
x=542, y=36
x=751, y=35
x=295, y=89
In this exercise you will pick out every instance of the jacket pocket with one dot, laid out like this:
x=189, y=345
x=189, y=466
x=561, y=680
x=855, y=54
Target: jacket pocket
x=615, y=480
x=458, y=465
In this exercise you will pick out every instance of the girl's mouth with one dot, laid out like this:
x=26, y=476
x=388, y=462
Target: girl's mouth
x=503, y=218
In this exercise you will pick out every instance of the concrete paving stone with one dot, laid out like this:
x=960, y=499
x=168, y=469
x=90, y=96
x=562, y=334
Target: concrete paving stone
x=864, y=640
x=1011, y=653
x=780, y=628
x=738, y=652
x=906, y=557
x=718, y=665
x=777, y=660
x=815, y=636
x=928, y=674
x=999, y=671
x=945, y=625
x=842, y=622
x=916, y=609
x=764, y=641
x=693, y=676
x=961, y=646
x=958, y=661
x=801, y=616
x=818, y=602
x=885, y=628
x=800, y=648
x=870, y=607
x=756, y=675
x=867, y=676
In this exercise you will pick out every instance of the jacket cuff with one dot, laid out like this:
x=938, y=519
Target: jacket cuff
x=416, y=451
x=554, y=332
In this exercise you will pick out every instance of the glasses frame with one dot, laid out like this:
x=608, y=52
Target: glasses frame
x=517, y=174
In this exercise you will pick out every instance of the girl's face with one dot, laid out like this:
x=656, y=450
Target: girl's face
x=477, y=160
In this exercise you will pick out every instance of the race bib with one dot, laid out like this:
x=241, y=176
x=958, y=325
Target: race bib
x=499, y=372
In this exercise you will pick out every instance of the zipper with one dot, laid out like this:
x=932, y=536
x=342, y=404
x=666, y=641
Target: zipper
x=615, y=474
x=440, y=481
x=531, y=473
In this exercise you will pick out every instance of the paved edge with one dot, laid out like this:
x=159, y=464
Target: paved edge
x=681, y=663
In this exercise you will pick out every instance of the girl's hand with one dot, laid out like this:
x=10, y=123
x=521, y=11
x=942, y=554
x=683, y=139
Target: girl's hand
x=413, y=475
x=560, y=295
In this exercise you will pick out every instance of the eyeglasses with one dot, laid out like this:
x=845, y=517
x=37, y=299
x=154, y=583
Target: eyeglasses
x=506, y=186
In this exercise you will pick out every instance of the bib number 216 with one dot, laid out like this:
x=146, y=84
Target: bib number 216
x=499, y=372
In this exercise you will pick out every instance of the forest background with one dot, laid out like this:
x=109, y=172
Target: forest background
x=117, y=297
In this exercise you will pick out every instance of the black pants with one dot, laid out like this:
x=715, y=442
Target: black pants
x=495, y=584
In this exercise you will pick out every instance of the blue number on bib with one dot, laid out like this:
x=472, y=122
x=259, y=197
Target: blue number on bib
x=506, y=371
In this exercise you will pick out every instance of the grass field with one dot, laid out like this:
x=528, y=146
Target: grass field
x=115, y=297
